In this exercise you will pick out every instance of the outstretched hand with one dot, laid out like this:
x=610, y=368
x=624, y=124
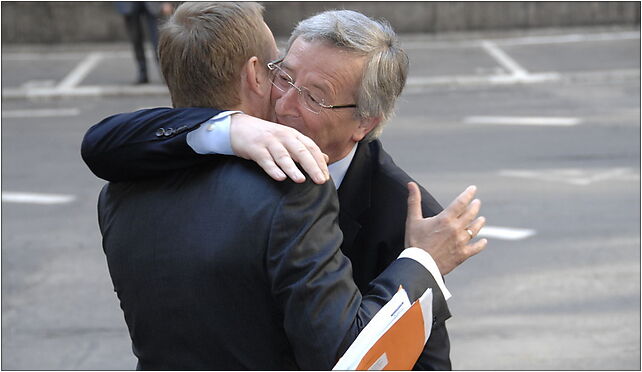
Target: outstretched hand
x=275, y=148
x=447, y=237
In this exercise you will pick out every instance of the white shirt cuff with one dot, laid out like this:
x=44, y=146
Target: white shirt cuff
x=213, y=136
x=426, y=260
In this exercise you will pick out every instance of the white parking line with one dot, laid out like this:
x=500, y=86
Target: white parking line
x=463, y=80
x=521, y=120
x=522, y=40
x=575, y=176
x=505, y=233
x=42, y=113
x=517, y=74
x=503, y=59
x=80, y=72
x=569, y=38
x=62, y=56
x=32, y=198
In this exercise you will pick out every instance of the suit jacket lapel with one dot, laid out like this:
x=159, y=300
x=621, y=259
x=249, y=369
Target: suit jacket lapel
x=354, y=196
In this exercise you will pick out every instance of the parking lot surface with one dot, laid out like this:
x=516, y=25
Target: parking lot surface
x=546, y=123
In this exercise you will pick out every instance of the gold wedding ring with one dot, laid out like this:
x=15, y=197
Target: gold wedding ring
x=470, y=233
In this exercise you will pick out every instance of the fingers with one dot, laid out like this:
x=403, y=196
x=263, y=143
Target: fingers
x=320, y=158
x=301, y=150
x=477, y=225
x=414, y=202
x=276, y=148
x=281, y=156
x=476, y=247
x=471, y=212
x=305, y=152
x=459, y=205
x=264, y=160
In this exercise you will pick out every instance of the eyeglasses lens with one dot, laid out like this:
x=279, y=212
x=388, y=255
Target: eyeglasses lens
x=283, y=82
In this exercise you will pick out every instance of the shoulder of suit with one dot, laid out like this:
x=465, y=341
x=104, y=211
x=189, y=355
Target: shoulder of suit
x=385, y=170
x=389, y=176
x=246, y=173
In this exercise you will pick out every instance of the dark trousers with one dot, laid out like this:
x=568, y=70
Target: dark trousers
x=133, y=22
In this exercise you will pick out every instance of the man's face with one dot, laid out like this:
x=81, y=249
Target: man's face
x=333, y=75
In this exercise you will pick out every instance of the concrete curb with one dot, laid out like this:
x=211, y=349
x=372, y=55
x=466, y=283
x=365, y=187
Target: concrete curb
x=85, y=91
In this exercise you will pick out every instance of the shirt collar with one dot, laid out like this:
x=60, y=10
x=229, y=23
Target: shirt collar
x=339, y=168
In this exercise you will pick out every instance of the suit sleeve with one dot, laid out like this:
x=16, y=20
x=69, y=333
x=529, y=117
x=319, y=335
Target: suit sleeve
x=143, y=144
x=436, y=354
x=311, y=280
x=430, y=207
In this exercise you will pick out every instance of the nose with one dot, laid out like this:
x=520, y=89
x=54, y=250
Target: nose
x=286, y=102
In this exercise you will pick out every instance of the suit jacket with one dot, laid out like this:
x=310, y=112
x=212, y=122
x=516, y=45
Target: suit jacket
x=373, y=199
x=220, y=267
x=372, y=195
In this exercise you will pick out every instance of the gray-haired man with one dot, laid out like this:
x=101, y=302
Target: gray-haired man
x=337, y=84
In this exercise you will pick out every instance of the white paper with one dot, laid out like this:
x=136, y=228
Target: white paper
x=380, y=323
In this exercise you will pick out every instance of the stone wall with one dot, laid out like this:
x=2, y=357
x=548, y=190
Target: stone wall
x=68, y=22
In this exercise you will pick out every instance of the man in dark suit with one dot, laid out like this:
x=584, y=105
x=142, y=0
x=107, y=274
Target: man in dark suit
x=219, y=267
x=372, y=193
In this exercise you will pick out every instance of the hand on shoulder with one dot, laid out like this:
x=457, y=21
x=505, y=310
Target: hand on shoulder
x=276, y=148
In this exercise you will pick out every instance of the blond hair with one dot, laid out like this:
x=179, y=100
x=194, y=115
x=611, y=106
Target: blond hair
x=203, y=47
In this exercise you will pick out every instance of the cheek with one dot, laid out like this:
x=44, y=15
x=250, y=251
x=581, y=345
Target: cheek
x=275, y=95
x=317, y=127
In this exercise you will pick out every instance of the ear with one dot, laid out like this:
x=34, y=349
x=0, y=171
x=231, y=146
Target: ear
x=365, y=126
x=255, y=76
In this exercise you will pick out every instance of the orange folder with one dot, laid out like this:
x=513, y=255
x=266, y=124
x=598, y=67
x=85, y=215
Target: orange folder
x=394, y=338
x=400, y=347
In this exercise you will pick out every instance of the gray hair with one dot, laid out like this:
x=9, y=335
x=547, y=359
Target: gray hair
x=386, y=68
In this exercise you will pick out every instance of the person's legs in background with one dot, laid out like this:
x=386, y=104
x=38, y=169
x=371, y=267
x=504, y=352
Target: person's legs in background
x=152, y=32
x=135, y=33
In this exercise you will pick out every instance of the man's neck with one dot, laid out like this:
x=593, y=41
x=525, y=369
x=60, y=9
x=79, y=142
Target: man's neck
x=341, y=155
x=246, y=109
x=252, y=107
x=339, y=168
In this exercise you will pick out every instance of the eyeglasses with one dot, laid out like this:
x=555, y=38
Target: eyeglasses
x=283, y=82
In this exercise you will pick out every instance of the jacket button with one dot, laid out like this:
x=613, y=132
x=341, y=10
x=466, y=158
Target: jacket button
x=160, y=132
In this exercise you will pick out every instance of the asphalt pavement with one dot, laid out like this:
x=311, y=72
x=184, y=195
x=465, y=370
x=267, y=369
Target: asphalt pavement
x=546, y=123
